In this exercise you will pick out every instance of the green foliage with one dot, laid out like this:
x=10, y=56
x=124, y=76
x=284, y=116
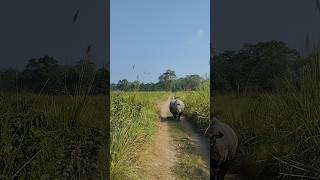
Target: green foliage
x=254, y=67
x=167, y=82
x=45, y=75
x=123, y=85
x=190, y=82
x=167, y=79
x=197, y=105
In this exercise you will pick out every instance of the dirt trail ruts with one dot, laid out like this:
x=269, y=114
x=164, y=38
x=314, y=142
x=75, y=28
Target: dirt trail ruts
x=200, y=142
x=161, y=156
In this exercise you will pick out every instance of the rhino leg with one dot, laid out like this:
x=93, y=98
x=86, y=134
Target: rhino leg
x=223, y=170
x=174, y=116
x=215, y=174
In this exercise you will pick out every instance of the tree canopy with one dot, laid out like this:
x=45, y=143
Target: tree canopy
x=167, y=82
x=255, y=67
x=46, y=75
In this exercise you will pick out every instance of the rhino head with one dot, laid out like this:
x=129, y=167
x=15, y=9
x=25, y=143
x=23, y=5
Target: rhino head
x=179, y=106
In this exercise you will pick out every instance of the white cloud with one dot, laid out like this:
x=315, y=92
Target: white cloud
x=198, y=36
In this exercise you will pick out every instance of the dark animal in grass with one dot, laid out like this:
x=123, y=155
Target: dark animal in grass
x=176, y=108
x=224, y=144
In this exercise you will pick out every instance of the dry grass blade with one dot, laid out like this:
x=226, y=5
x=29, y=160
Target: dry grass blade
x=25, y=164
x=299, y=176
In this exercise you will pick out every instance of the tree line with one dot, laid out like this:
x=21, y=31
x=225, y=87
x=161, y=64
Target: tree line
x=255, y=67
x=167, y=81
x=46, y=75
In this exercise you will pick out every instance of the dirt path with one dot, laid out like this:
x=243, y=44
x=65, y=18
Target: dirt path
x=161, y=156
x=200, y=142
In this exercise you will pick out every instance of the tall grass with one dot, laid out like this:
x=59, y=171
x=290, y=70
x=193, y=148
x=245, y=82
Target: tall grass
x=197, y=105
x=299, y=104
x=279, y=133
x=134, y=116
x=51, y=137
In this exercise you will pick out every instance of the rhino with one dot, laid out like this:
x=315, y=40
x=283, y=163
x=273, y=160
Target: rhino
x=224, y=144
x=176, y=108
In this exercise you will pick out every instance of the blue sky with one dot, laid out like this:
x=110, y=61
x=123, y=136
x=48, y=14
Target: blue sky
x=155, y=35
x=249, y=21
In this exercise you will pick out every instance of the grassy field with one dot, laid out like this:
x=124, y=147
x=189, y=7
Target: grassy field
x=51, y=136
x=62, y=136
x=279, y=133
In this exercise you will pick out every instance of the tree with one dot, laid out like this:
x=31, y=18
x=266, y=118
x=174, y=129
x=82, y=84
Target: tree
x=193, y=81
x=42, y=73
x=47, y=76
x=254, y=67
x=135, y=85
x=167, y=79
x=267, y=61
x=123, y=85
x=101, y=81
x=8, y=79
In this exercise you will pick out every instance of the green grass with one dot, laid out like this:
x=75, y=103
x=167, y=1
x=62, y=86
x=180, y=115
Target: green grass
x=51, y=136
x=133, y=123
x=279, y=133
x=197, y=105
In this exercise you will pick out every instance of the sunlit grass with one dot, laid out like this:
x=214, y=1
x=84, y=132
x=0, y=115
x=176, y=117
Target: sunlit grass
x=197, y=105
